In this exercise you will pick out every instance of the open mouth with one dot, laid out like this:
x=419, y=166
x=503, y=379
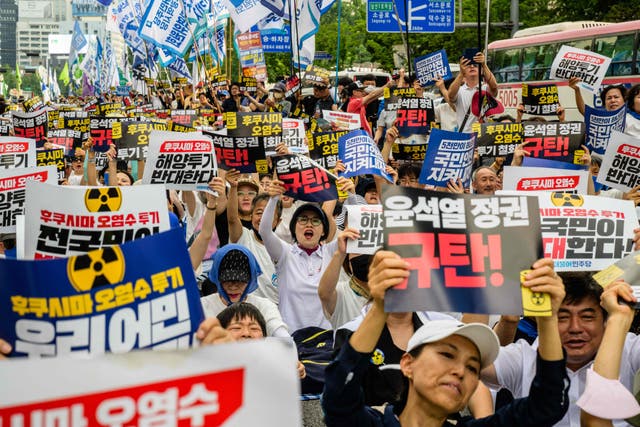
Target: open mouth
x=308, y=234
x=233, y=296
x=575, y=344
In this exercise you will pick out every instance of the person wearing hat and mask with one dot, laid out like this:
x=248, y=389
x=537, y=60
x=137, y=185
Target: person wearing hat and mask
x=359, y=98
x=235, y=273
x=443, y=363
x=299, y=265
x=276, y=100
x=320, y=100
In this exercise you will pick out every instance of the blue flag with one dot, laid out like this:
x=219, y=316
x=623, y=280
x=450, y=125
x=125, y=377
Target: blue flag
x=449, y=157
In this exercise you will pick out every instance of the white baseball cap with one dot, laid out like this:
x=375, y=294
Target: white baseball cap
x=481, y=335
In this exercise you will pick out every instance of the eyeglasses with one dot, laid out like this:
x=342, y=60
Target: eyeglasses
x=304, y=220
x=247, y=193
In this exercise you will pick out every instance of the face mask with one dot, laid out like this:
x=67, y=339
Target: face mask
x=360, y=267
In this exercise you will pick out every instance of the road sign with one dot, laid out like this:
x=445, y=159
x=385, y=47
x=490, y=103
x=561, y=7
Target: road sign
x=321, y=55
x=425, y=16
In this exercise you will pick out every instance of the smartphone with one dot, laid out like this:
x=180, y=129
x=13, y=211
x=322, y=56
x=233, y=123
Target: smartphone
x=469, y=53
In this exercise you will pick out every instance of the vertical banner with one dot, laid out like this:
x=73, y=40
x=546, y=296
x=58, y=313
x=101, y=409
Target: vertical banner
x=449, y=157
x=88, y=304
x=239, y=384
x=571, y=62
x=31, y=125
x=361, y=156
x=540, y=100
x=65, y=220
x=304, y=179
x=251, y=55
x=180, y=161
x=17, y=152
x=465, y=251
x=53, y=157
x=497, y=139
x=600, y=123
x=367, y=219
x=621, y=163
x=12, y=192
x=431, y=67
x=518, y=178
x=560, y=141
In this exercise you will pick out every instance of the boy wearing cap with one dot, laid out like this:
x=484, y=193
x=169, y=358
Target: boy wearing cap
x=235, y=273
x=443, y=363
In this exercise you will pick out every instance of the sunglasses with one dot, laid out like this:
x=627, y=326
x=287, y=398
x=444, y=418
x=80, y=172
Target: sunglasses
x=317, y=87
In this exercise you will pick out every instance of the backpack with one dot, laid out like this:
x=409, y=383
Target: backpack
x=315, y=351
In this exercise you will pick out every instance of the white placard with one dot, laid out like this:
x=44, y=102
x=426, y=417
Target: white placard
x=518, y=178
x=573, y=62
x=367, y=219
x=621, y=162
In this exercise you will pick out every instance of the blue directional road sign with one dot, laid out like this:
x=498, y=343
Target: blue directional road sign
x=425, y=16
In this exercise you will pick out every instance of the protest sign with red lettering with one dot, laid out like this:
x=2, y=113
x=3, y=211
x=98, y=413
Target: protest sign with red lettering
x=304, y=179
x=68, y=138
x=142, y=294
x=133, y=142
x=497, y=139
x=184, y=117
x=66, y=220
x=621, y=163
x=574, y=62
x=251, y=55
x=340, y=120
x=465, y=252
x=518, y=178
x=449, y=157
x=245, y=154
x=415, y=116
x=560, y=141
x=367, y=219
x=31, y=125
x=266, y=126
x=12, y=192
x=293, y=136
x=586, y=232
x=180, y=161
x=53, y=157
x=101, y=131
x=252, y=383
x=17, y=152
x=540, y=100
x=323, y=147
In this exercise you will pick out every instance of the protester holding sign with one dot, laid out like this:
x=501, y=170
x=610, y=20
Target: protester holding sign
x=442, y=364
x=632, y=126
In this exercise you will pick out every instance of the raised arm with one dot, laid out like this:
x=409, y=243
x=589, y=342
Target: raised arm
x=233, y=217
x=573, y=84
x=275, y=246
x=489, y=78
x=198, y=248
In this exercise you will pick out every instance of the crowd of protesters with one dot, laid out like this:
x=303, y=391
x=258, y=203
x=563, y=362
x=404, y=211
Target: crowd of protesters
x=269, y=265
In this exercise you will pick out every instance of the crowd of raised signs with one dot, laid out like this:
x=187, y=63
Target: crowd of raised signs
x=300, y=212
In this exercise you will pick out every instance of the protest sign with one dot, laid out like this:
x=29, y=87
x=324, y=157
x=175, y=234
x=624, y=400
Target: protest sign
x=621, y=163
x=497, y=139
x=101, y=131
x=251, y=55
x=317, y=75
x=66, y=220
x=245, y=154
x=293, y=136
x=68, y=138
x=250, y=383
x=392, y=97
x=367, y=219
x=449, y=157
x=545, y=179
x=585, y=232
x=248, y=84
x=540, y=100
x=304, y=179
x=599, y=124
x=180, y=161
x=627, y=269
x=85, y=304
x=52, y=118
x=134, y=138
x=431, y=67
x=17, y=152
x=465, y=252
x=571, y=62
x=33, y=104
x=6, y=127
x=31, y=125
x=360, y=155
x=292, y=84
x=323, y=147
x=177, y=127
x=54, y=157
x=184, y=117
x=415, y=116
x=265, y=126
x=75, y=120
x=340, y=120
x=413, y=153
x=560, y=141
x=12, y=193
x=546, y=163
x=109, y=108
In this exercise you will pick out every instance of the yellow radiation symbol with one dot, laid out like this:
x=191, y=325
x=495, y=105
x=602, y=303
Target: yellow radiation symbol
x=97, y=268
x=105, y=199
x=377, y=358
x=566, y=199
x=534, y=303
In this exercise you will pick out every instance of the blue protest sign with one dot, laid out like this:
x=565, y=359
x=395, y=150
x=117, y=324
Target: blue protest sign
x=276, y=41
x=361, y=155
x=323, y=56
x=599, y=124
x=547, y=163
x=449, y=157
x=429, y=67
x=424, y=16
x=141, y=294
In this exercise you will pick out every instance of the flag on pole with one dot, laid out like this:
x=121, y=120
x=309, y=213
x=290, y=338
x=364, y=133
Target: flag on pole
x=18, y=77
x=64, y=75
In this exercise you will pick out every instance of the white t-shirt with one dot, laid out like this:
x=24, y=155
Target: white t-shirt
x=267, y=281
x=516, y=367
x=632, y=126
x=212, y=305
x=348, y=303
x=463, y=105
